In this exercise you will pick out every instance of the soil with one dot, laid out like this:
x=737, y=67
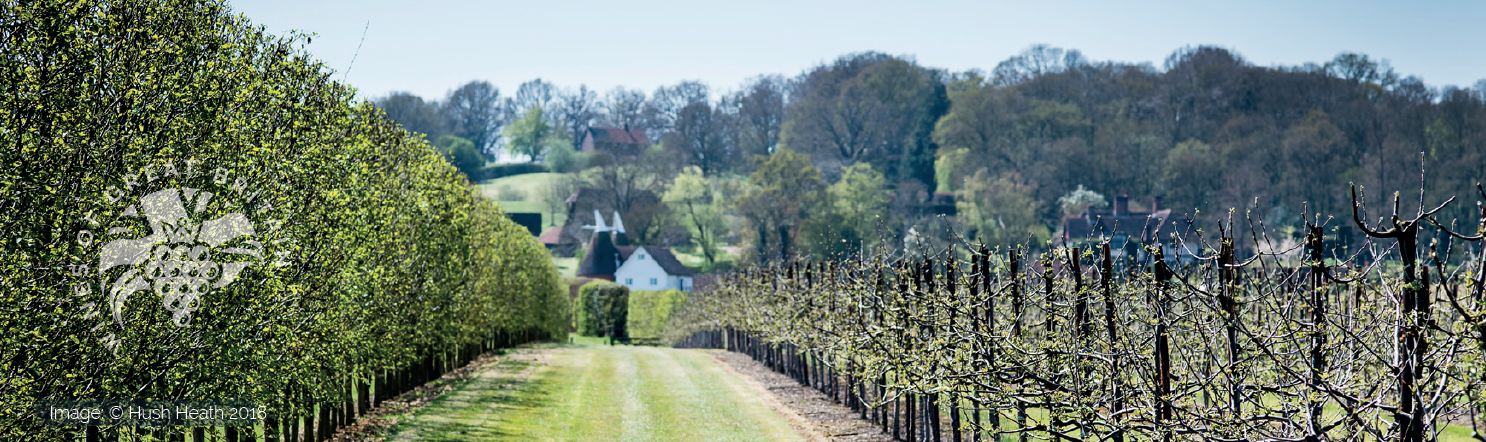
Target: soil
x=813, y=414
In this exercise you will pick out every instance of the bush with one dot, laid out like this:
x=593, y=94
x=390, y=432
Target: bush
x=650, y=312
x=562, y=158
x=462, y=154
x=602, y=309
x=504, y=170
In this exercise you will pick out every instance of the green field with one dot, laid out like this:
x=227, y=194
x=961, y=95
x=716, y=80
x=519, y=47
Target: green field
x=594, y=392
x=524, y=193
x=567, y=268
x=531, y=184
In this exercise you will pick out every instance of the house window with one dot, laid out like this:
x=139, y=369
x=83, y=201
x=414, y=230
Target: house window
x=629, y=281
x=642, y=257
x=652, y=281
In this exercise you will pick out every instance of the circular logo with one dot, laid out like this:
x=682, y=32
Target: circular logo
x=178, y=232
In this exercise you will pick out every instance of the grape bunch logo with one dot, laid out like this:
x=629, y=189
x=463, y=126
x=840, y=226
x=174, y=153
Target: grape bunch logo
x=178, y=232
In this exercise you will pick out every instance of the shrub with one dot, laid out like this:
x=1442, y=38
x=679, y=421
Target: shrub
x=504, y=170
x=602, y=309
x=650, y=312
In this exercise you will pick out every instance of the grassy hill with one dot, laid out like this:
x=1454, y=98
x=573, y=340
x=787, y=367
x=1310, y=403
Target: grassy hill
x=524, y=193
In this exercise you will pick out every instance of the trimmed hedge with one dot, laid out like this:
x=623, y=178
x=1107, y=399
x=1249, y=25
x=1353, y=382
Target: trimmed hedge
x=504, y=170
x=650, y=312
x=357, y=250
x=602, y=309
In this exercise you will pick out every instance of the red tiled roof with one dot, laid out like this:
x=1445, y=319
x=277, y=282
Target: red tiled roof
x=1139, y=226
x=552, y=236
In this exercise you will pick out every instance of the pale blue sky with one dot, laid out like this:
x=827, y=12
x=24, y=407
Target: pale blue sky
x=429, y=47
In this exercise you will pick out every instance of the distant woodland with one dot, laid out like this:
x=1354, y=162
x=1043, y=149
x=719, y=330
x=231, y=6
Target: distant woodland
x=858, y=153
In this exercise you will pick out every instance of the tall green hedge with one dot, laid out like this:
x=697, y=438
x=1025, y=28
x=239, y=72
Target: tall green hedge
x=602, y=309
x=650, y=312
x=366, y=251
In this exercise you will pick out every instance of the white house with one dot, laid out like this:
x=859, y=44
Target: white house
x=652, y=268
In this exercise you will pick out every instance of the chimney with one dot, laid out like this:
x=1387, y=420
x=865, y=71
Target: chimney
x=1155, y=204
x=1122, y=205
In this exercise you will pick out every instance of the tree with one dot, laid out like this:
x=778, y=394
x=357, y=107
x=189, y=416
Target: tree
x=1315, y=157
x=859, y=199
x=462, y=154
x=1360, y=68
x=918, y=154
x=578, y=110
x=1080, y=199
x=624, y=108
x=665, y=106
x=785, y=188
x=534, y=93
x=556, y=193
x=692, y=199
x=946, y=167
x=758, y=114
x=532, y=135
x=1034, y=62
x=633, y=188
x=1001, y=210
x=414, y=114
x=1190, y=177
x=864, y=107
x=700, y=136
x=475, y=113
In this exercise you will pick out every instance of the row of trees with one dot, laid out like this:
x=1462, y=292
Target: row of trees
x=1084, y=344
x=191, y=209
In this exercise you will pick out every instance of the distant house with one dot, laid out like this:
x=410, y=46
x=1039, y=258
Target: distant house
x=588, y=199
x=552, y=237
x=637, y=267
x=618, y=141
x=652, y=268
x=1127, y=231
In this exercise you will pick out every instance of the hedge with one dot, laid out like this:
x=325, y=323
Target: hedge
x=180, y=131
x=650, y=312
x=504, y=170
x=602, y=309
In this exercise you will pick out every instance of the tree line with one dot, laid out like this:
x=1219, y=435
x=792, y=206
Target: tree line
x=1204, y=133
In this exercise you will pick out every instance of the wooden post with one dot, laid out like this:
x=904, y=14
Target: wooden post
x=1047, y=293
x=1082, y=326
x=1014, y=261
x=1106, y=275
x=1163, y=349
x=1228, y=299
x=1315, y=243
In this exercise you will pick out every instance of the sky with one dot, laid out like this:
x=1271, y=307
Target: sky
x=429, y=47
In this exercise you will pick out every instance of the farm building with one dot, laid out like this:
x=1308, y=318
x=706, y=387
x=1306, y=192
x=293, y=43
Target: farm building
x=636, y=267
x=1127, y=231
x=618, y=141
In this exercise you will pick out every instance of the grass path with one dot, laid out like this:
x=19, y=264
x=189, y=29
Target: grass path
x=593, y=392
